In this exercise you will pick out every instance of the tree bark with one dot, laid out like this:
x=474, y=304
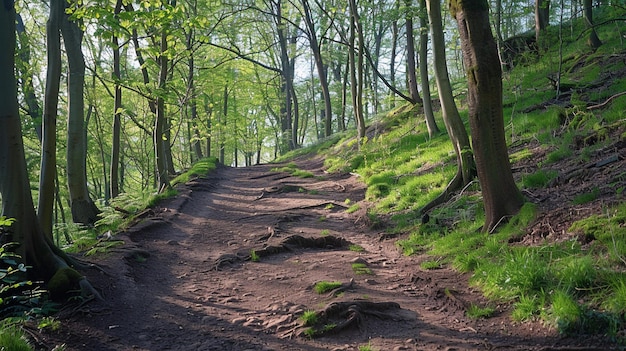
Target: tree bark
x=117, y=114
x=356, y=68
x=159, y=122
x=410, y=55
x=47, y=175
x=431, y=125
x=542, y=19
x=84, y=210
x=593, y=41
x=452, y=119
x=501, y=197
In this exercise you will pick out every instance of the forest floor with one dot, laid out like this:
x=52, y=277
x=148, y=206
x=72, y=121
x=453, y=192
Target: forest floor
x=185, y=279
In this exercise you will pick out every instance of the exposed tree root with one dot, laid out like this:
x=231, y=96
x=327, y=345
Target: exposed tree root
x=339, y=316
x=288, y=244
x=455, y=184
x=299, y=242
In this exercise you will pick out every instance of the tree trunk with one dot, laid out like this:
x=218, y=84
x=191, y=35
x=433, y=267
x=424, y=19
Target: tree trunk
x=159, y=122
x=501, y=196
x=84, y=210
x=410, y=55
x=452, y=119
x=48, y=169
x=433, y=129
x=321, y=68
x=117, y=114
x=34, y=248
x=542, y=19
x=356, y=68
x=593, y=41
x=394, y=49
x=25, y=70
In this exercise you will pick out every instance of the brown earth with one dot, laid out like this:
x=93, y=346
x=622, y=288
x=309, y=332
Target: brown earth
x=184, y=278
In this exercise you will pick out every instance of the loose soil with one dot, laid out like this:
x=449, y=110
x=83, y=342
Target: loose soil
x=231, y=262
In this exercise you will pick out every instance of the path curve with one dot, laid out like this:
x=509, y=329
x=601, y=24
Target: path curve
x=184, y=280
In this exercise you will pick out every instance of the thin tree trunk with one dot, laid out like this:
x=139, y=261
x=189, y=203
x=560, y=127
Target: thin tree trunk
x=410, y=56
x=501, y=197
x=159, y=122
x=356, y=69
x=433, y=129
x=47, y=173
x=117, y=114
x=452, y=120
x=84, y=210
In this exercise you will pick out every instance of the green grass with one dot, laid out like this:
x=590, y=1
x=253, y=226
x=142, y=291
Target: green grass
x=293, y=169
x=477, y=312
x=309, y=318
x=198, y=169
x=361, y=268
x=325, y=286
x=13, y=339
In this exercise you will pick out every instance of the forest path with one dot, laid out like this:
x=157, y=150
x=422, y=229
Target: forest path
x=184, y=279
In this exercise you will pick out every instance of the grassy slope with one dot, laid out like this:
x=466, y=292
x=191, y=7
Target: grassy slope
x=575, y=287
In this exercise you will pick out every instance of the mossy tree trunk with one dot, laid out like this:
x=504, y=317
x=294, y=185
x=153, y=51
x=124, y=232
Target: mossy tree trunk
x=34, y=247
x=501, y=196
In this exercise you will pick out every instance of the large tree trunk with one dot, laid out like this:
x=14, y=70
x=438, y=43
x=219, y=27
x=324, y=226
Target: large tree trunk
x=452, y=119
x=48, y=170
x=34, y=248
x=84, y=210
x=433, y=129
x=501, y=196
x=593, y=41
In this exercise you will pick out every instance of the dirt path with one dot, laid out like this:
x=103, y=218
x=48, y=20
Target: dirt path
x=184, y=279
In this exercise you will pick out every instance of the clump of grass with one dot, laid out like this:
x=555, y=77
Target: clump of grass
x=309, y=318
x=325, y=232
x=586, y=197
x=254, y=257
x=12, y=338
x=325, y=286
x=356, y=248
x=361, y=268
x=353, y=208
x=539, y=179
x=293, y=169
x=476, y=312
x=200, y=168
x=428, y=265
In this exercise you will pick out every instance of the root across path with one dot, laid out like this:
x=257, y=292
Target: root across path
x=232, y=263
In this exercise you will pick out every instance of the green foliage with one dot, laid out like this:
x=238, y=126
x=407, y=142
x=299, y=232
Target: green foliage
x=325, y=286
x=13, y=339
x=293, y=169
x=356, y=248
x=18, y=295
